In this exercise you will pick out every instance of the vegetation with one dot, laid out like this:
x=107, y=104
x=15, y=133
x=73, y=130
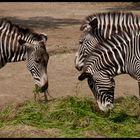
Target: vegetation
x=75, y=117
x=37, y=91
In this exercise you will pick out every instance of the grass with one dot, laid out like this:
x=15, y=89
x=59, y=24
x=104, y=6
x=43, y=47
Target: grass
x=76, y=117
x=37, y=92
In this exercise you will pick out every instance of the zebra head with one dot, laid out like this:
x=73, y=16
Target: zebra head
x=88, y=40
x=102, y=89
x=36, y=61
x=86, y=44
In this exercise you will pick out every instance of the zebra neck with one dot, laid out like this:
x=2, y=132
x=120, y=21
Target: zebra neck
x=18, y=55
x=28, y=38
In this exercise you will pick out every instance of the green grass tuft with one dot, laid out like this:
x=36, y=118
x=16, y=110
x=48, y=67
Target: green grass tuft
x=76, y=117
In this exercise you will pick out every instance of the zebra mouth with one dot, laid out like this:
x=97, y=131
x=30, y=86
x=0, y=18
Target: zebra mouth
x=43, y=89
x=40, y=89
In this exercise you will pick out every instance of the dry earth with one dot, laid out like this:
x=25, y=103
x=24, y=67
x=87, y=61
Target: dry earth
x=61, y=22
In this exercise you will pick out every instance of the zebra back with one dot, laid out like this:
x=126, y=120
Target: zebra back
x=109, y=23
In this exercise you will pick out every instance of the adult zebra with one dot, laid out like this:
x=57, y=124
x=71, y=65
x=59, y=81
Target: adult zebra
x=100, y=27
x=109, y=59
x=20, y=44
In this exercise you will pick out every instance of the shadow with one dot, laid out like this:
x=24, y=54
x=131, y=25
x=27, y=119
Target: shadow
x=122, y=99
x=132, y=6
x=43, y=22
x=121, y=117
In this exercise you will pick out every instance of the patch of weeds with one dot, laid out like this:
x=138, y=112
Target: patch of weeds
x=74, y=115
x=121, y=117
x=38, y=91
x=8, y=113
x=31, y=113
x=82, y=122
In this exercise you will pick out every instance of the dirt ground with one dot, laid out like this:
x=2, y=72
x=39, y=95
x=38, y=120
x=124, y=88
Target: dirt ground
x=61, y=22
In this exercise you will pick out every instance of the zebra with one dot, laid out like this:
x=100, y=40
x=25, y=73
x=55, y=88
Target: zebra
x=99, y=27
x=109, y=59
x=23, y=44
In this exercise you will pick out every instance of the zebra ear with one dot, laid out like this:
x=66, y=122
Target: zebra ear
x=21, y=42
x=44, y=37
x=84, y=75
x=94, y=23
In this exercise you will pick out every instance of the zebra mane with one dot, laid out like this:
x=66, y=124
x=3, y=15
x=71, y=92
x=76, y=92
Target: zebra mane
x=19, y=29
x=90, y=22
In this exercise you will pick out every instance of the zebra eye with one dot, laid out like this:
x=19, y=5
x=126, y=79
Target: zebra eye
x=38, y=60
x=80, y=41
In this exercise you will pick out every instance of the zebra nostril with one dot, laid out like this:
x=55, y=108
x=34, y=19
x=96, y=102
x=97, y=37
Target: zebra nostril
x=78, y=68
x=44, y=87
x=109, y=106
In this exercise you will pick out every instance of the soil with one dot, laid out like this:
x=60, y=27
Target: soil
x=61, y=22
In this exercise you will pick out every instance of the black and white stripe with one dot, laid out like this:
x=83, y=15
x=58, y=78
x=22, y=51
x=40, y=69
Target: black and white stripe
x=109, y=59
x=109, y=23
x=19, y=44
x=100, y=27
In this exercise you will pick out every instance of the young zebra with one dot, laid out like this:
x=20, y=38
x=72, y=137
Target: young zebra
x=100, y=27
x=20, y=44
x=109, y=59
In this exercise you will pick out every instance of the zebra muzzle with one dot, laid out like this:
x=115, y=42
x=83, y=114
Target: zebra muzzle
x=78, y=68
x=44, y=87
